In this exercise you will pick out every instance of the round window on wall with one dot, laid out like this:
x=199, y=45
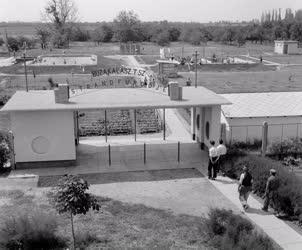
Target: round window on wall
x=40, y=145
x=197, y=121
x=208, y=130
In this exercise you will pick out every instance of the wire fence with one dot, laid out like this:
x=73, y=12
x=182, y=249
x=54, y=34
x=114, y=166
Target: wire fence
x=137, y=155
x=251, y=135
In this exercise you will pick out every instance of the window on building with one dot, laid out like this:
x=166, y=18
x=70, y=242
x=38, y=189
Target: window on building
x=198, y=121
x=208, y=130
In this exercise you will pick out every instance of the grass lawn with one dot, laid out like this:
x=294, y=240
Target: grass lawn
x=286, y=79
x=117, y=225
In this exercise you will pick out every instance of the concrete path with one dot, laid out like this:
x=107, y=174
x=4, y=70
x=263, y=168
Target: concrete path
x=177, y=129
x=275, y=228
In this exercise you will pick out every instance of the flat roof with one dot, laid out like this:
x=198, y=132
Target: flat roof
x=270, y=104
x=115, y=98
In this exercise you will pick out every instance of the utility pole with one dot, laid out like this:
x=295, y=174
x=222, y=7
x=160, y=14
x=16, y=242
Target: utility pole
x=25, y=72
x=195, y=54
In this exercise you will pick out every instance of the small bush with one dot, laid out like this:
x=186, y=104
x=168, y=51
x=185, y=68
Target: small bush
x=86, y=238
x=230, y=231
x=5, y=151
x=233, y=154
x=291, y=147
x=31, y=230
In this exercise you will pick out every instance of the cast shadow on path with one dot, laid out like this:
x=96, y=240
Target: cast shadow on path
x=252, y=210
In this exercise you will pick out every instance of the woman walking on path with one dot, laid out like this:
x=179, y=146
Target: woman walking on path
x=245, y=187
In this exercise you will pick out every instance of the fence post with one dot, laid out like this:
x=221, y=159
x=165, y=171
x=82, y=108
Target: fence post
x=106, y=138
x=12, y=153
x=264, y=138
x=223, y=132
x=109, y=154
x=247, y=134
x=144, y=153
x=178, y=152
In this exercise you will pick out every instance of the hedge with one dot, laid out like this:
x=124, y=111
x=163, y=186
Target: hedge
x=229, y=231
x=289, y=193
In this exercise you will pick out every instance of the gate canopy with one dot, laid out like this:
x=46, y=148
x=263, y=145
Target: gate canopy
x=90, y=99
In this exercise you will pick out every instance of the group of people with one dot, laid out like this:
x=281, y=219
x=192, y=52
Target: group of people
x=245, y=187
x=216, y=160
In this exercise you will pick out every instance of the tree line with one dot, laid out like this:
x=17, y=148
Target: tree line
x=62, y=27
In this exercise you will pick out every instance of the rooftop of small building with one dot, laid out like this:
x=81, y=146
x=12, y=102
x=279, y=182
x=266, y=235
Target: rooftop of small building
x=115, y=98
x=269, y=104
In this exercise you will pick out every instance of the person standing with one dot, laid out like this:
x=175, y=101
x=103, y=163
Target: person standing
x=245, y=187
x=188, y=82
x=213, y=158
x=271, y=187
x=221, y=150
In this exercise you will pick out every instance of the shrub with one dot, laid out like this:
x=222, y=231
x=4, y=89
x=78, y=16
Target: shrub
x=5, y=150
x=288, y=197
x=162, y=38
x=291, y=147
x=233, y=154
x=230, y=231
x=31, y=230
x=86, y=238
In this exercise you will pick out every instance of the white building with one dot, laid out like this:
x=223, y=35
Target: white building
x=44, y=123
x=286, y=47
x=244, y=118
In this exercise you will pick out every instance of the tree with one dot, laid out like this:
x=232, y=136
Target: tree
x=240, y=36
x=127, y=26
x=162, y=38
x=298, y=15
x=296, y=32
x=13, y=44
x=79, y=34
x=228, y=36
x=104, y=33
x=174, y=34
x=70, y=197
x=43, y=35
x=61, y=14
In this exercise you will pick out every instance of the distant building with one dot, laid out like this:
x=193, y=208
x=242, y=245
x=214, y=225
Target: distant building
x=244, y=118
x=286, y=47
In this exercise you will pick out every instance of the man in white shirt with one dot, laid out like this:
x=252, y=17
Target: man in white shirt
x=213, y=158
x=221, y=151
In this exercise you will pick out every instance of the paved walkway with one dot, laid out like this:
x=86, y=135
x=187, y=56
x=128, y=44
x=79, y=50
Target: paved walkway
x=178, y=131
x=275, y=228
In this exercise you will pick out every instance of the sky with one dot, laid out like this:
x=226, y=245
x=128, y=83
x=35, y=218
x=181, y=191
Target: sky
x=151, y=10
